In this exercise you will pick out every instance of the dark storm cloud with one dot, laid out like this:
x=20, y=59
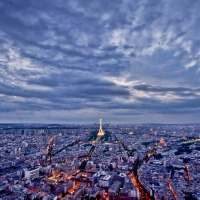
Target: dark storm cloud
x=180, y=91
x=89, y=55
x=153, y=106
x=44, y=81
x=94, y=82
x=13, y=90
x=149, y=88
x=70, y=79
x=104, y=91
x=60, y=92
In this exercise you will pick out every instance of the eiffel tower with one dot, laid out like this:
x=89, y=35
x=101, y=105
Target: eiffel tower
x=101, y=132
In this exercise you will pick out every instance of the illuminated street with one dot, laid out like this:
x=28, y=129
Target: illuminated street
x=143, y=193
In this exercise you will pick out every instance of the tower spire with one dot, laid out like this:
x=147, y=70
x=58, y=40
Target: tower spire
x=101, y=132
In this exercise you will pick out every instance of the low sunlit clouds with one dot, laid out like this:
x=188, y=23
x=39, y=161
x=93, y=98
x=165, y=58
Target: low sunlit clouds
x=78, y=61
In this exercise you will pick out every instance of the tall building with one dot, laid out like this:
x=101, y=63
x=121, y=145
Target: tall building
x=106, y=181
x=32, y=173
x=101, y=132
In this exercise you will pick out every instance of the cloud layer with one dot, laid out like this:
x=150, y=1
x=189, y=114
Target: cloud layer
x=77, y=61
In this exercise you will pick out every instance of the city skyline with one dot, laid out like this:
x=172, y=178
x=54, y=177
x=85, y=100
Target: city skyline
x=76, y=62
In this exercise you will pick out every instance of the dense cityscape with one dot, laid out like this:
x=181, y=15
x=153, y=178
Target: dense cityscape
x=66, y=64
x=99, y=161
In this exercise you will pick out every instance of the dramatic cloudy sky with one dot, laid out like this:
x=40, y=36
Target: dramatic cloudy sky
x=76, y=61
